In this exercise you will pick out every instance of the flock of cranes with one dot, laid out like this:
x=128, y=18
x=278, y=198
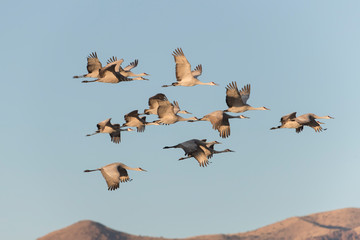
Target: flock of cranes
x=167, y=112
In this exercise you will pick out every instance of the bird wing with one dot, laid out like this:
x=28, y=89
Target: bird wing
x=101, y=125
x=176, y=107
x=153, y=101
x=131, y=65
x=288, y=117
x=208, y=151
x=233, y=97
x=314, y=125
x=200, y=156
x=304, y=119
x=197, y=71
x=124, y=177
x=183, y=67
x=115, y=136
x=113, y=61
x=224, y=131
x=190, y=146
x=245, y=93
x=165, y=108
x=93, y=62
x=112, y=176
x=133, y=114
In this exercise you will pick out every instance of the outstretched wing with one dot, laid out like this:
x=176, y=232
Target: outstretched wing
x=288, y=117
x=197, y=71
x=233, y=97
x=131, y=65
x=124, y=177
x=111, y=176
x=183, y=67
x=93, y=62
x=114, y=61
x=245, y=93
x=101, y=125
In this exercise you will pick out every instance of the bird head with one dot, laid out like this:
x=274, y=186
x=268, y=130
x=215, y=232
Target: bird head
x=329, y=117
x=193, y=119
x=142, y=169
x=242, y=116
x=228, y=150
x=184, y=112
x=265, y=108
x=213, y=84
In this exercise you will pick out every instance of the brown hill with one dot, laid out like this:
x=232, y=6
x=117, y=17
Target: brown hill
x=342, y=224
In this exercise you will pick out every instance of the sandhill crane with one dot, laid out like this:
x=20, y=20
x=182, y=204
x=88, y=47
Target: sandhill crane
x=107, y=74
x=198, y=149
x=309, y=119
x=154, y=105
x=93, y=66
x=113, y=130
x=133, y=120
x=115, y=173
x=126, y=71
x=167, y=115
x=236, y=100
x=220, y=121
x=184, y=75
x=110, y=74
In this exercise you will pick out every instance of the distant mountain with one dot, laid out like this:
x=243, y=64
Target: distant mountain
x=342, y=224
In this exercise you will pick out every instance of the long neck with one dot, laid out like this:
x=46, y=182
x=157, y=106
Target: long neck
x=135, y=169
x=226, y=150
x=137, y=75
x=204, y=83
x=179, y=118
x=256, y=108
x=318, y=117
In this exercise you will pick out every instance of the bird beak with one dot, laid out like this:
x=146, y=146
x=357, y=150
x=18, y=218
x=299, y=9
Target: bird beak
x=331, y=117
x=266, y=108
x=242, y=116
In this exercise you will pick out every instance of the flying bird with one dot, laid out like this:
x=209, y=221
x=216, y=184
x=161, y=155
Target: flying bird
x=107, y=74
x=126, y=71
x=115, y=173
x=220, y=122
x=93, y=66
x=236, y=100
x=112, y=129
x=132, y=119
x=201, y=150
x=309, y=119
x=167, y=114
x=154, y=105
x=184, y=75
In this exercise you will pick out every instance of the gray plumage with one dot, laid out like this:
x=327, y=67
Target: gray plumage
x=115, y=173
x=237, y=100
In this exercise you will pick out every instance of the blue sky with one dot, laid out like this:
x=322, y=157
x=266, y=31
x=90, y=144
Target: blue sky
x=298, y=56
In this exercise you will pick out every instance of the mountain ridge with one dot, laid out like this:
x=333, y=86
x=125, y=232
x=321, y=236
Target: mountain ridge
x=340, y=224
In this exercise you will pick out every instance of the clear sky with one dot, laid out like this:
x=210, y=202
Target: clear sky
x=298, y=56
